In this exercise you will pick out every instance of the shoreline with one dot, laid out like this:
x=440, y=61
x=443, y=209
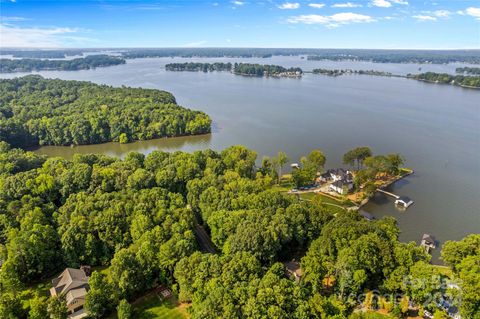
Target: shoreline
x=38, y=147
x=383, y=186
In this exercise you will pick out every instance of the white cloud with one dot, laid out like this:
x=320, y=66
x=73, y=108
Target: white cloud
x=13, y=36
x=289, y=5
x=316, y=5
x=381, y=3
x=238, y=3
x=346, y=5
x=400, y=2
x=441, y=13
x=474, y=12
x=424, y=18
x=333, y=20
x=12, y=19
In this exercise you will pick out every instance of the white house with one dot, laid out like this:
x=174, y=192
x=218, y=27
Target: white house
x=341, y=187
x=339, y=174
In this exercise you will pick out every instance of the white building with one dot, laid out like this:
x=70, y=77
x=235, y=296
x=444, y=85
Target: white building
x=341, y=186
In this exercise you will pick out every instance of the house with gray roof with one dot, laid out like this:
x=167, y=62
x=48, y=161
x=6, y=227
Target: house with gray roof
x=72, y=284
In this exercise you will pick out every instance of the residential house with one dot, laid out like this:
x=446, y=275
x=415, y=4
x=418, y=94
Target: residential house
x=72, y=284
x=341, y=186
x=293, y=270
x=325, y=177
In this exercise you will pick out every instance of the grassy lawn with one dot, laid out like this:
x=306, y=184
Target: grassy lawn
x=154, y=307
x=444, y=270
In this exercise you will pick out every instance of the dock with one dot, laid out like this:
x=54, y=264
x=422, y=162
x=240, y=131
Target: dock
x=428, y=243
x=403, y=201
x=388, y=193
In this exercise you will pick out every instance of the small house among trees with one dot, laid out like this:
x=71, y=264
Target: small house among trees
x=72, y=284
x=293, y=270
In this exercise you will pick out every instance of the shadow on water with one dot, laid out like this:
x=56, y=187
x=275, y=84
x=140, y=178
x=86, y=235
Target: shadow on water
x=186, y=143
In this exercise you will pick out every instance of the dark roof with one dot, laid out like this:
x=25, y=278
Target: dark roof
x=405, y=199
x=337, y=171
x=428, y=238
x=338, y=184
x=69, y=279
x=341, y=183
x=293, y=267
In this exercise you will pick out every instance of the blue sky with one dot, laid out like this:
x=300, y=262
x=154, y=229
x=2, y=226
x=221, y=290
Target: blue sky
x=388, y=24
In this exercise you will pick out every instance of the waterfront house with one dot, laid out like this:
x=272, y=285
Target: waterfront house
x=428, y=242
x=404, y=201
x=342, y=186
x=337, y=174
x=72, y=284
x=325, y=177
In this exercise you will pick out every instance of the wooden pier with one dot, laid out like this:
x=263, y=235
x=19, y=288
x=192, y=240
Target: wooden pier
x=402, y=201
x=388, y=193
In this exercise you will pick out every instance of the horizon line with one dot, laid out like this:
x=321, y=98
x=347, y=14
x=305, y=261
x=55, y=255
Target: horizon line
x=240, y=47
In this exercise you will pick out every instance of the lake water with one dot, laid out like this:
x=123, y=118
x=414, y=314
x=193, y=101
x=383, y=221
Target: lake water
x=435, y=127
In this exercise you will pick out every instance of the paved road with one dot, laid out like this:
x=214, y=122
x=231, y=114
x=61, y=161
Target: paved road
x=203, y=240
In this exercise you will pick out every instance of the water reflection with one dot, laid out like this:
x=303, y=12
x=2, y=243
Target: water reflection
x=184, y=143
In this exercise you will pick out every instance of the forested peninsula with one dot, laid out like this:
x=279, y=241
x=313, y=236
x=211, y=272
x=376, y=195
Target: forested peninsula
x=88, y=62
x=197, y=67
x=466, y=81
x=338, y=72
x=37, y=111
x=134, y=219
x=468, y=70
x=460, y=80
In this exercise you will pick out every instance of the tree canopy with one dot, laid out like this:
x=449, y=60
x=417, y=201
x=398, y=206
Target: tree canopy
x=137, y=218
x=88, y=62
x=37, y=111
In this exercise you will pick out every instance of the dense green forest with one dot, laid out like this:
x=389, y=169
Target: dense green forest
x=193, y=66
x=37, y=111
x=44, y=54
x=338, y=72
x=138, y=217
x=238, y=68
x=467, y=81
x=399, y=56
x=382, y=56
x=468, y=70
x=88, y=62
x=265, y=70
